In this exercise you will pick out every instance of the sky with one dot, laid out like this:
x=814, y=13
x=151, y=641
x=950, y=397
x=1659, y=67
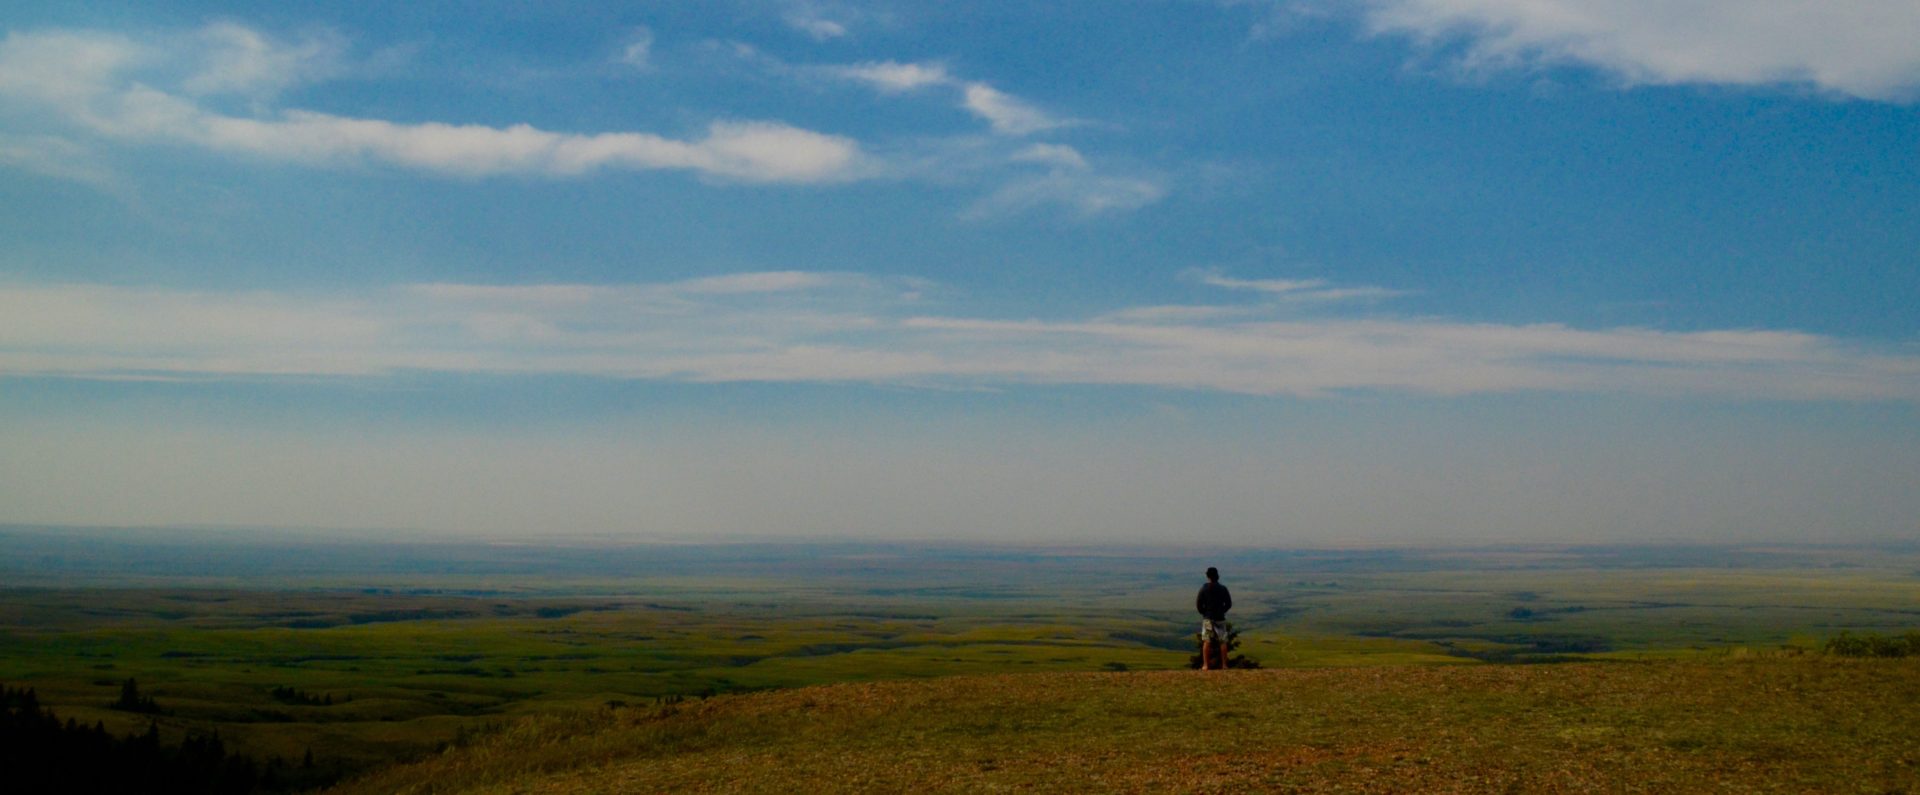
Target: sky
x=1283, y=273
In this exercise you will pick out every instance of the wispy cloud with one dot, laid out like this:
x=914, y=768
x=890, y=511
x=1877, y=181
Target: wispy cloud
x=749, y=151
x=1035, y=175
x=817, y=27
x=93, y=82
x=88, y=91
x=893, y=77
x=638, y=50
x=1082, y=192
x=1007, y=114
x=58, y=158
x=821, y=21
x=1057, y=155
x=1274, y=286
x=1858, y=48
x=823, y=327
x=240, y=60
x=1293, y=290
x=1004, y=113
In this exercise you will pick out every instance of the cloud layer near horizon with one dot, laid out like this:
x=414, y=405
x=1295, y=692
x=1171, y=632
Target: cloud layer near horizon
x=844, y=328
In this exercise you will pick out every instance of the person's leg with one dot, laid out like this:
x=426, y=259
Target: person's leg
x=1214, y=658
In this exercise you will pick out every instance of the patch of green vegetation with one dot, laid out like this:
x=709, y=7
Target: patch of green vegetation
x=1847, y=644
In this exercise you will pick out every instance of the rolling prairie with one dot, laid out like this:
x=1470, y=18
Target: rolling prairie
x=365, y=653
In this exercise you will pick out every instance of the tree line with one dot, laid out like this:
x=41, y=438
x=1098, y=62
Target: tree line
x=39, y=753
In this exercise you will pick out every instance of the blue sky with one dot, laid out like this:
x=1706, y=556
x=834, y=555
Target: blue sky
x=1383, y=271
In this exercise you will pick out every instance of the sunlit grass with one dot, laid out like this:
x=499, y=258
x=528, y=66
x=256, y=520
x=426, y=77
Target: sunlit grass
x=1677, y=726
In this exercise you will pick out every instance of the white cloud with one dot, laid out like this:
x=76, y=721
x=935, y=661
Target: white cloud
x=239, y=60
x=819, y=28
x=749, y=151
x=1008, y=115
x=1859, y=48
x=1296, y=290
x=1003, y=112
x=163, y=89
x=63, y=68
x=819, y=327
x=1056, y=155
x=893, y=77
x=85, y=80
x=761, y=282
x=1215, y=279
x=821, y=21
x=638, y=51
x=58, y=158
x=1176, y=313
x=1086, y=194
x=1071, y=181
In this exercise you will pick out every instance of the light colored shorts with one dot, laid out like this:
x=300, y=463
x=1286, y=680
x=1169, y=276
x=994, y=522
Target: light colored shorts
x=1211, y=630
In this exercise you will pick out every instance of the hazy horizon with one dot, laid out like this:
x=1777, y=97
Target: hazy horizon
x=1405, y=272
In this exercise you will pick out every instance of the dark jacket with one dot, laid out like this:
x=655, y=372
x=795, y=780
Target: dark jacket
x=1214, y=601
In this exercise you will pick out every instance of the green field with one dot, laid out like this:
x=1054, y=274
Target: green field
x=365, y=653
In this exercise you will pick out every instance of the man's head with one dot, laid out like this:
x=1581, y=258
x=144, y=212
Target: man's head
x=1213, y=574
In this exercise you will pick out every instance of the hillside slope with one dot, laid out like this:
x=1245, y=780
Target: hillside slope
x=1790, y=725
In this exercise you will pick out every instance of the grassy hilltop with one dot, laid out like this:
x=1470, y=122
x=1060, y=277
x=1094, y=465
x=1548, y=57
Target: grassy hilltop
x=1736, y=724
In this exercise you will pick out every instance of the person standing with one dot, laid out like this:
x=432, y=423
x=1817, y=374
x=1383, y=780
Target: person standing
x=1214, y=602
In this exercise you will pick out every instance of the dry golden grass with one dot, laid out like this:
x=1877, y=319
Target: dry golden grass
x=1738, y=725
